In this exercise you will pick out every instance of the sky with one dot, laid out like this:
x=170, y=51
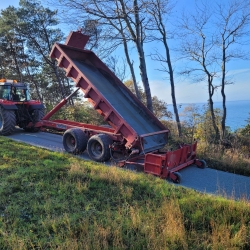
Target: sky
x=187, y=91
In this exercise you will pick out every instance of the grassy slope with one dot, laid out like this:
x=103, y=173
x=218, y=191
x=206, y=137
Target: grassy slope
x=229, y=160
x=52, y=200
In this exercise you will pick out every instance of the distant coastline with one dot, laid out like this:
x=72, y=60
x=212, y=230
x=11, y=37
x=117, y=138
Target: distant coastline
x=237, y=111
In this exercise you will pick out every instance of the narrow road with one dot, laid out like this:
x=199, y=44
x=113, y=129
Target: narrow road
x=207, y=180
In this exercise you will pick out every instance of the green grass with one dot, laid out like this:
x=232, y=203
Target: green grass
x=229, y=160
x=52, y=200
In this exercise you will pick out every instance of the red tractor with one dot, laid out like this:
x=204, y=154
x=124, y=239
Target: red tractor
x=16, y=108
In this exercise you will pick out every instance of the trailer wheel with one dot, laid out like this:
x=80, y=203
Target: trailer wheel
x=7, y=121
x=75, y=141
x=178, y=178
x=203, y=164
x=98, y=147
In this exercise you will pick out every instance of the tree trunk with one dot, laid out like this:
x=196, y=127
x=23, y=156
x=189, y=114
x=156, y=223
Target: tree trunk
x=171, y=75
x=142, y=66
x=131, y=69
x=35, y=83
x=137, y=39
x=71, y=100
x=224, y=115
x=144, y=77
x=58, y=78
x=16, y=62
x=211, y=106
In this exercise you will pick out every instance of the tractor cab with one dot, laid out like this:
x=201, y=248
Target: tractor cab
x=17, y=109
x=13, y=91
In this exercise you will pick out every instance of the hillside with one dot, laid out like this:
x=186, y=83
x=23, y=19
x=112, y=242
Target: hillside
x=52, y=200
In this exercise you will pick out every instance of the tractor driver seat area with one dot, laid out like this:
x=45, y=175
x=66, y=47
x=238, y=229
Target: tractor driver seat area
x=15, y=97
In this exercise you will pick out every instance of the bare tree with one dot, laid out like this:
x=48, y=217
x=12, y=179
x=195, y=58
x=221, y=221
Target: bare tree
x=124, y=21
x=158, y=9
x=130, y=63
x=136, y=26
x=117, y=25
x=199, y=46
x=118, y=68
x=232, y=23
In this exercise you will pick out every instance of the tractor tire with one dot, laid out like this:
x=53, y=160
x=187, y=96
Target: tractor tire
x=98, y=147
x=75, y=141
x=7, y=121
x=37, y=116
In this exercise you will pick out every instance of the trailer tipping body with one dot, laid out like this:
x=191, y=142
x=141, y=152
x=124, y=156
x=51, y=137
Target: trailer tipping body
x=109, y=96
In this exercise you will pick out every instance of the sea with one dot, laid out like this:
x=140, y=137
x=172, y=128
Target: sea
x=238, y=112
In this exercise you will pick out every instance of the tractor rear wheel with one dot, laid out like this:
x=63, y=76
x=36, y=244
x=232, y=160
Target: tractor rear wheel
x=98, y=147
x=7, y=121
x=75, y=140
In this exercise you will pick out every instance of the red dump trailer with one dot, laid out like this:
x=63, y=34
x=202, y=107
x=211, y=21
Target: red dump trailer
x=135, y=134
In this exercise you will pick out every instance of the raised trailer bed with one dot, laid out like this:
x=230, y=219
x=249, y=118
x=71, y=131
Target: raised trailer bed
x=109, y=96
x=134, y=133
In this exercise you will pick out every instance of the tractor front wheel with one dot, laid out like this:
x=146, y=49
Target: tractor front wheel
x=98, y=147
x=75, y=140
x=7, y=121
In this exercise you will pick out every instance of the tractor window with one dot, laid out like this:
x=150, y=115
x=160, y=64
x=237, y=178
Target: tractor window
x=23, y=94
x=5, y=92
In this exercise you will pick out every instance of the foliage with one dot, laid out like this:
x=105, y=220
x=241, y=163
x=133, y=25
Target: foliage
x=198, y=123
x=27, y=35
x=205, y=130
x=234, y=159
x=11, y=46
x=231, y=154
x=80, y=112
x=52, y=200
x=246, y=130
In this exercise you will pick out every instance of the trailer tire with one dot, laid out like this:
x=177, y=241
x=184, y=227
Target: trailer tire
x=203, y=164
x=7, y=121
x=98, y=147
x=75, y=141
x=178, y=178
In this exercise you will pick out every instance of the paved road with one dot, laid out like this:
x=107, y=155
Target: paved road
x=203, y=180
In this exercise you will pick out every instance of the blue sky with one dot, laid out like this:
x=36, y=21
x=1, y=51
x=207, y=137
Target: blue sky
x=186, y=90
